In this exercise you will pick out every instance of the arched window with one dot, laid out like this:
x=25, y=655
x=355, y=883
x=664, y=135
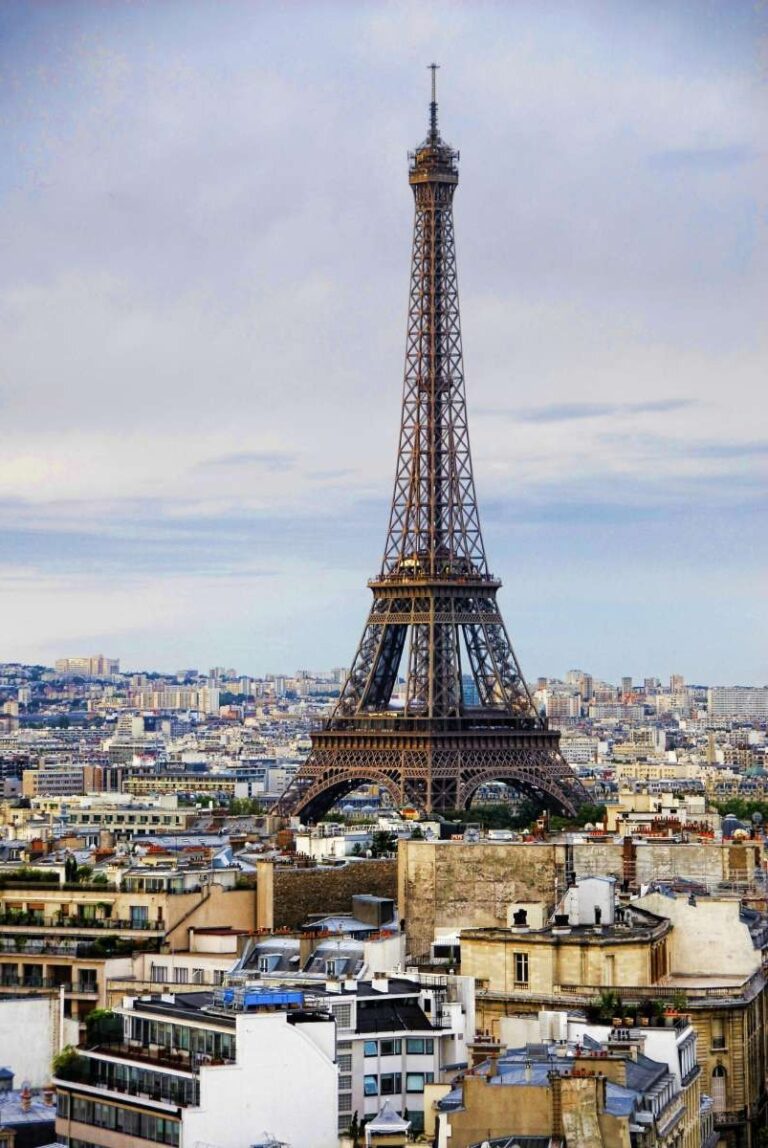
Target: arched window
x=719, y=1087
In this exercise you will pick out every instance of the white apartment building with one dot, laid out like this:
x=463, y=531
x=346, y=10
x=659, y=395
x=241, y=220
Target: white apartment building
x=227, y=1068
x=396, y=1035
x=738, y=702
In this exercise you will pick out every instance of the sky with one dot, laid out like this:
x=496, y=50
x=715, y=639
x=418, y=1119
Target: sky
x=205, y=228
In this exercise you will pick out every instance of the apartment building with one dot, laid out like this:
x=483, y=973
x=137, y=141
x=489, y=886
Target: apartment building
x=205, y=1068
x=731, y=702
x=78, y=937
x=605, y=1094
x=396, y=1033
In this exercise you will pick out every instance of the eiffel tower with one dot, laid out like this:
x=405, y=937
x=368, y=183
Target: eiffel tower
x=435, y=621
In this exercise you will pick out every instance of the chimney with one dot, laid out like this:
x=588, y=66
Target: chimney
x=25, y=1097
x=380, y=983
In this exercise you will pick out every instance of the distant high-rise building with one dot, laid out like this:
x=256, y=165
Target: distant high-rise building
x=737, y=702
x=94, y=666
x=676, y=683
x=626, y=686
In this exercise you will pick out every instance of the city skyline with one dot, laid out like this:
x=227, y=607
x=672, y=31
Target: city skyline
x=184, y=460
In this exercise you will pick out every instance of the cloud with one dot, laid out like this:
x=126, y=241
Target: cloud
x=702, y=159
x=571, y=412
x=269, y=460
x=202, y=345
x=728, y=450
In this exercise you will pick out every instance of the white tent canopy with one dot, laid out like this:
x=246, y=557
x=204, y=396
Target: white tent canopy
x=387, y=1122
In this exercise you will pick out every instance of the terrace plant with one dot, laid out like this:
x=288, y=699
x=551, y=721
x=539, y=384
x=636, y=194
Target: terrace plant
x=69, y=1064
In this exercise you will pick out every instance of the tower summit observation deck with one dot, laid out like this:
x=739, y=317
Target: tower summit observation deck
x=434, y=621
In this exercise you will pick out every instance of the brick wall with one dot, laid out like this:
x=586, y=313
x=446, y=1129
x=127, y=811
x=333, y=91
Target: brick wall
x=301, y=892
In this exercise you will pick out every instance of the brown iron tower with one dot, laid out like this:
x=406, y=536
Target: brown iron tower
x=435, y=622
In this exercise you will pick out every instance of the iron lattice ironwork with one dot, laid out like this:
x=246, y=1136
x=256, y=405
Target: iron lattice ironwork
x=435, y=703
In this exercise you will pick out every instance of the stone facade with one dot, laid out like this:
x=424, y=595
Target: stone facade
x=287, y=898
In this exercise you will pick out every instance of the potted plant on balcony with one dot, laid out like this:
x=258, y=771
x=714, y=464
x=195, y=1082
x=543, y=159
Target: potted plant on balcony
x=69, y=1064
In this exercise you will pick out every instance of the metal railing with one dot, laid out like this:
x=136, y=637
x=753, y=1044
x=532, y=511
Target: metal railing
x=22, y=921
x=82, y=988
x=692, y=994
x=727, y=1117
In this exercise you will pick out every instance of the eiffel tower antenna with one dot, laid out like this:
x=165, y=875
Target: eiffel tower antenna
x=435, y=704
x=433, y=133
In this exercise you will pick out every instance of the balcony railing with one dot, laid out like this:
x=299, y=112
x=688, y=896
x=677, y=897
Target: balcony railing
x=694, y=994
x=19, y=921
x=184, y=1094
x=79, y=988
x=728, y=1117
x=144, y=1054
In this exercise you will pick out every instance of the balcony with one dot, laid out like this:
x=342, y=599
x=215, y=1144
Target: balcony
x=730, y=1117
x=36, y=923
x=180, y=1093
x=697, y=995
x=71, y=988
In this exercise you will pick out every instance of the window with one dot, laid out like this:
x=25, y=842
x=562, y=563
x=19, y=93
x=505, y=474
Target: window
x=415, y=1081
x=345, y=1062
x=719, y=1089
x=159, y=973
x=371, y=1085
x=371, y=1048
x=390, y=1047
x=521, y=968
x=419, y=1046
x=345, y=1084
x=718, y=1033
x=181, y=976
x=218, y=977
x=198, y=976
x=343, y=1015
x=139, y=915
x=390, y=1084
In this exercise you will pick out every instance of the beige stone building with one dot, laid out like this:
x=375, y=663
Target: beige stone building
x=444, y=886
x=567, y=962
x=596, y=1099
x=701, y=956
x=77, y=937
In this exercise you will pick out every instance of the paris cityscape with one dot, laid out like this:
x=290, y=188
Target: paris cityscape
x=438, y=889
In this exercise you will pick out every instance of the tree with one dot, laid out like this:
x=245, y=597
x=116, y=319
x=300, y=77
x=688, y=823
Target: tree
x=70, y=869
x=383, y=844
x=244, y=807
x=354, y=1130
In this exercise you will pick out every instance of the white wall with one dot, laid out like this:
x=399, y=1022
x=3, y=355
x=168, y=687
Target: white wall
x=29, y=1038
x=587, y=894
x=284, y=1083
x=384, y=955
x=707, y=937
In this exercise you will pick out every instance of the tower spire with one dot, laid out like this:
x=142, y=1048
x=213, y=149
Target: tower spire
x=434, y=134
